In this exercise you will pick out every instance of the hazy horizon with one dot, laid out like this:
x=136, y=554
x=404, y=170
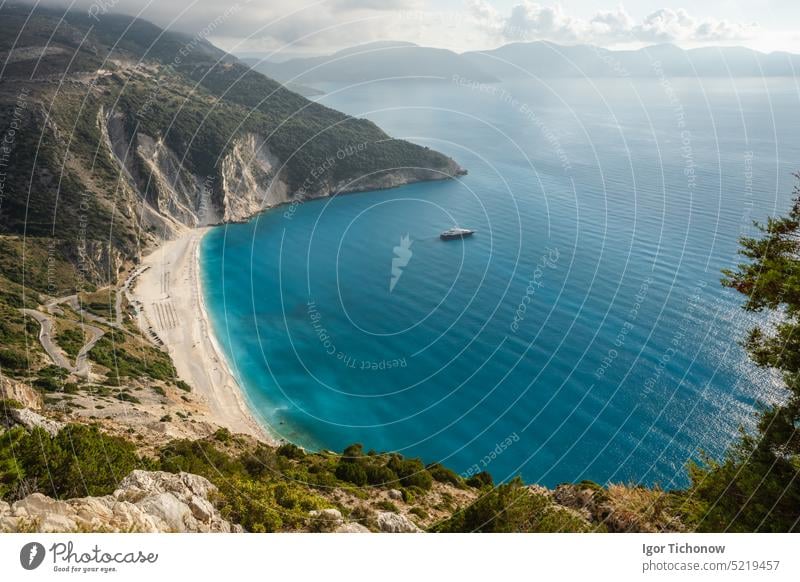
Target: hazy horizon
x=320, y=27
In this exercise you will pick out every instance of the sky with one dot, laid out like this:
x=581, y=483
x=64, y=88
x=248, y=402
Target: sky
x=289, y=28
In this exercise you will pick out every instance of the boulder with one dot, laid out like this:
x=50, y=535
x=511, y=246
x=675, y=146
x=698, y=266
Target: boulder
x=351, y=527
x=30, y=420
x=390, y=522
x=395, y=494
x=326, y=519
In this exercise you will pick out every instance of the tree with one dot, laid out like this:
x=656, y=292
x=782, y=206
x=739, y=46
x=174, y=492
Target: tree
x=757, y=486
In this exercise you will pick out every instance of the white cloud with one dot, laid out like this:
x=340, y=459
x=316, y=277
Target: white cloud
x=532, y=21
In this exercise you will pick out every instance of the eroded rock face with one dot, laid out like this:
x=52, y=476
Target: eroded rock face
x=146, y=501
x=21, y=392
x=390, y=522
x=30, y=420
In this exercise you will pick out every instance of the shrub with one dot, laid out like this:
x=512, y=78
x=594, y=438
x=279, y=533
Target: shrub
x=351, y=472
x=419, y=512
x=200, y=457
x=222, y=435
x=127, y=397
x=481, y=480
x=78, y=461
x=183, y=385
x=387, y=505
x=353, y=452
x=445, y=475
x=513, y=508
x=10, y=403
x=71, y=340
x=412, y=472
x=249, y=503
x=380, y=475
x=13, y=359
x=262, y=461
x=291, y=451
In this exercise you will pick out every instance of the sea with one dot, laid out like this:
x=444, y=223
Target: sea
x=581, y=333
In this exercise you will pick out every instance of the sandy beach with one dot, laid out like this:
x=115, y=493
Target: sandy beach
x=168, y=292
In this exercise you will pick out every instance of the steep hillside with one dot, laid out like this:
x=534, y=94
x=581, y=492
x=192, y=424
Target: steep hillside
x=122, y=134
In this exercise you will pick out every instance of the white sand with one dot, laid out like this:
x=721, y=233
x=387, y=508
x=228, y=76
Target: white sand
x=172, y=302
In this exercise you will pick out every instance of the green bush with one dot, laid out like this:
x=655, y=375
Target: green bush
x=13, y=359
x=291, y=451
x=481, y=480
x=412, y=472
x=353, y=452
x=419, y=512
x=199, y=457
x=351, y=472
x=183, y=386
x=262, y=461
x=387, y=505
x=71, y=340
x=380, y=475
x=222, y=435
x=513, y=508
x=251, y=504
x=79, y=461
x=445, y=475
x=6, y=403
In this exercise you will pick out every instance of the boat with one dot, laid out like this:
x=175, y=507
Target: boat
x=452, y=233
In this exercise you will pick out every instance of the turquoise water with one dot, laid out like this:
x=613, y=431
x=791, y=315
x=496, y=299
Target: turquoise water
x=580, y=334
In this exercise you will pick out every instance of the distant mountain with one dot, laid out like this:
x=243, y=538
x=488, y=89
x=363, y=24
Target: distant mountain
x=378, y=60
x=546, y=59
x=151, y=131
x=298, y=88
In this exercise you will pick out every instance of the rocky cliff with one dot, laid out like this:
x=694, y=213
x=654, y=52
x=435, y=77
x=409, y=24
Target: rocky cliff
x=146, y=501
x=116, y=144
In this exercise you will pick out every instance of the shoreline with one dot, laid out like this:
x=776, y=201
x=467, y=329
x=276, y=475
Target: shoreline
x=169, y=291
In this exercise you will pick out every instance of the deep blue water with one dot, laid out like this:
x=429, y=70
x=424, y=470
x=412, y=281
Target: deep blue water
x=582, y=333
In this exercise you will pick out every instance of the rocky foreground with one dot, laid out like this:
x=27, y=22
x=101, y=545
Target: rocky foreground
x=146, y=501
x=156, y=501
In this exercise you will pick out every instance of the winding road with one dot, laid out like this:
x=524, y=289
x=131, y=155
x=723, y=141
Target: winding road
x=56, y=353
x=92, y=333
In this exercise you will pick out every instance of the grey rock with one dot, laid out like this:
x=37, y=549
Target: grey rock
x=30, y=420
x=144, y=502
x=390, y=522
x=333, y=517
x=351, y=527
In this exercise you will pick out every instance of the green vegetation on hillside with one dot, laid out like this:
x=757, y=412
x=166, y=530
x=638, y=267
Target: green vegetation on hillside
x=262, y=488
x=126, y=356
x=79, y=461
x=513, y=508
x=67, y=188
